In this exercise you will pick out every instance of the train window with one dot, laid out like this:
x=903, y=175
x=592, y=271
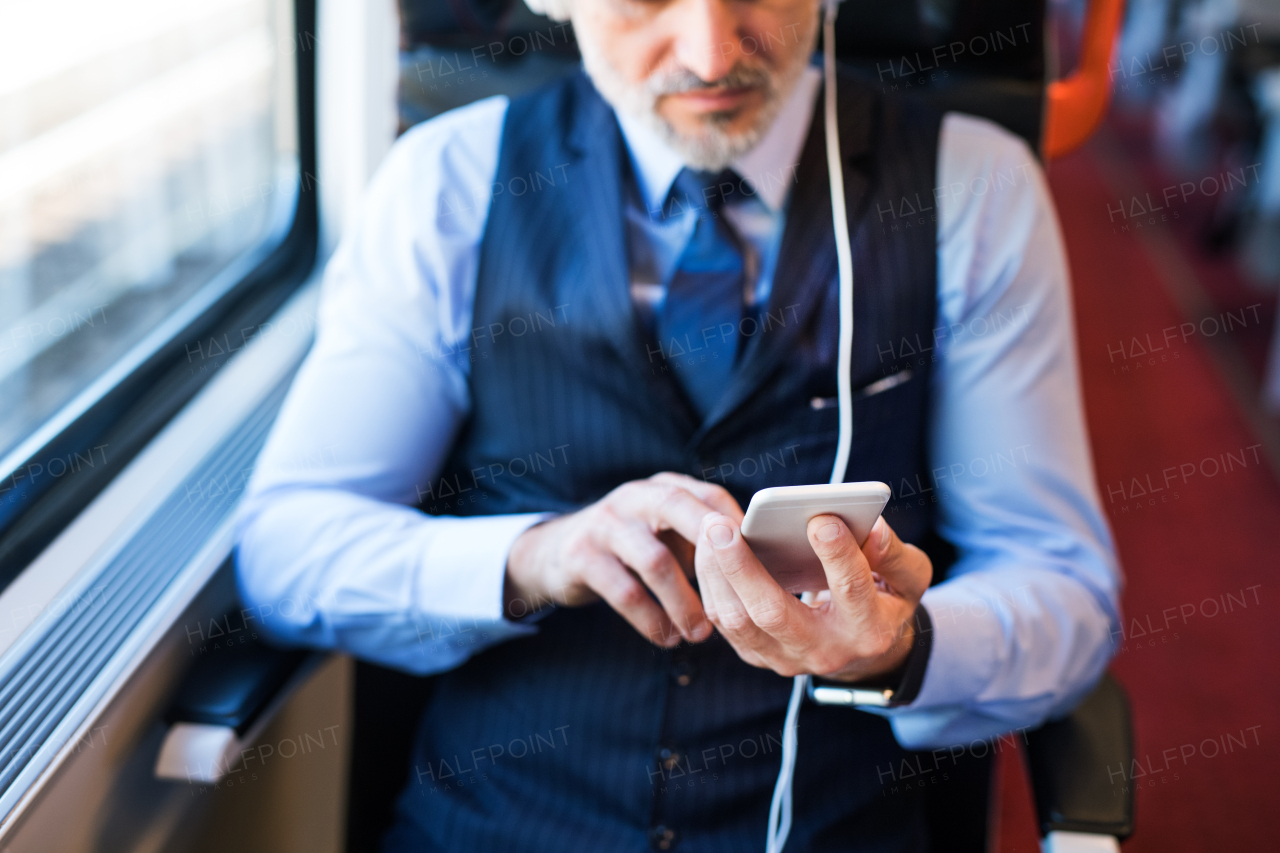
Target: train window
x=145, y=146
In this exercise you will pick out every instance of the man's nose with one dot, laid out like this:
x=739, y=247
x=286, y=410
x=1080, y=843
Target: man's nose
x=707, y=41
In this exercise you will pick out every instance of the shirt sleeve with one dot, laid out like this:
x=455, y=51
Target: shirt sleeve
x=332, y=553
x=1023, y=623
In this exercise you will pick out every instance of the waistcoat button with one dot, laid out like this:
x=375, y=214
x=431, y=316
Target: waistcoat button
x=683, y=671
x=662, y=837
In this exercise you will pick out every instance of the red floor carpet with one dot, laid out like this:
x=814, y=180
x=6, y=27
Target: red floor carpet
x=1195, y=507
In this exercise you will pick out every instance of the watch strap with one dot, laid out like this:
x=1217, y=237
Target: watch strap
x=892, y=689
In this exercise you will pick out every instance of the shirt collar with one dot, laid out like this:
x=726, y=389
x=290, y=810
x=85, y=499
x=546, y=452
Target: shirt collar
x=769, y=166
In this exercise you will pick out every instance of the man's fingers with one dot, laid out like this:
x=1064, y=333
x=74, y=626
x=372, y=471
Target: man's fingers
x=847, y=570
x=718, y=597
x=630, y=598
x=726, y=610
x=769, y=606
x=680, y=547
x=638, y=549
x=904, y=567
x=716, y=497
x=665, y=506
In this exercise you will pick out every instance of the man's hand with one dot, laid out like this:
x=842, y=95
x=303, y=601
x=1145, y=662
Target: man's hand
x=859, y=629
x=635, y=540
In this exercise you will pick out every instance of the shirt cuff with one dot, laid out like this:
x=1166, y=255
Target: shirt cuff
x=964, y=632
x=464, y=570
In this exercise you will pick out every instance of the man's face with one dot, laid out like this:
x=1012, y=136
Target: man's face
x=708, y=75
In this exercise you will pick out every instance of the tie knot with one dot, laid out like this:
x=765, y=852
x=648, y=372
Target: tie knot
x=705, y=191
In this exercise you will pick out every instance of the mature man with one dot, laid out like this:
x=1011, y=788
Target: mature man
x=579, y=330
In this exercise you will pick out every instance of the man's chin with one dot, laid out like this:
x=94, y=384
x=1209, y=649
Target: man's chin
x=711, y=140
x=711, y=150
x=730, y=122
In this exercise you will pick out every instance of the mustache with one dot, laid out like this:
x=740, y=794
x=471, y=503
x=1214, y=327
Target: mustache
x=680, y=80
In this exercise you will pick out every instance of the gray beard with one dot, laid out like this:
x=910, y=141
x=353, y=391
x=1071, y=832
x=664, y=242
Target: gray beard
x=715, y=148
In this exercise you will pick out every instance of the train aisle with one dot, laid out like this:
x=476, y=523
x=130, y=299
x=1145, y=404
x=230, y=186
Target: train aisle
x=1187, y=468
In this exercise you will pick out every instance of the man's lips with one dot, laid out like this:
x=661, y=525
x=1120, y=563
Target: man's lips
x=714, y=100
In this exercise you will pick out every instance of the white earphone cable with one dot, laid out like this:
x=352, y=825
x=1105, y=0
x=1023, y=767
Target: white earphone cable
x=844, y=251
x=780, y=808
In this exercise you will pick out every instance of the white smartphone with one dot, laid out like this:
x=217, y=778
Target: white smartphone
x=776, y=526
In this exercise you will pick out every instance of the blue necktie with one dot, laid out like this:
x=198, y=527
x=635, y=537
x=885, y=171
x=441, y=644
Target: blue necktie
x=697, y=326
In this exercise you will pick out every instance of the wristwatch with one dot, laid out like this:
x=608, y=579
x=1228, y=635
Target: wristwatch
x=889, y=690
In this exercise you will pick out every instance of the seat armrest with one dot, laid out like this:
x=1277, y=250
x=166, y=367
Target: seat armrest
x=1079, y=766
x=226, y=699
x=232, y=686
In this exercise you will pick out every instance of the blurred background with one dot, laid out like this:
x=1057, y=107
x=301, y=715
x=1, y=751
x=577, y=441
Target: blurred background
x=143, y=147
x=1171, y=214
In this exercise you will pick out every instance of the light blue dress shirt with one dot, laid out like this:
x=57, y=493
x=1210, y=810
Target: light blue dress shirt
x=333, y=554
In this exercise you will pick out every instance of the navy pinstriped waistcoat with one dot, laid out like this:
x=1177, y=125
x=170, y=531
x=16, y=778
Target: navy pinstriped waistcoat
x=586, y=737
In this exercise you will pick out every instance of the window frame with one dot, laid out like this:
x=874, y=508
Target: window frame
x=125, y=412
